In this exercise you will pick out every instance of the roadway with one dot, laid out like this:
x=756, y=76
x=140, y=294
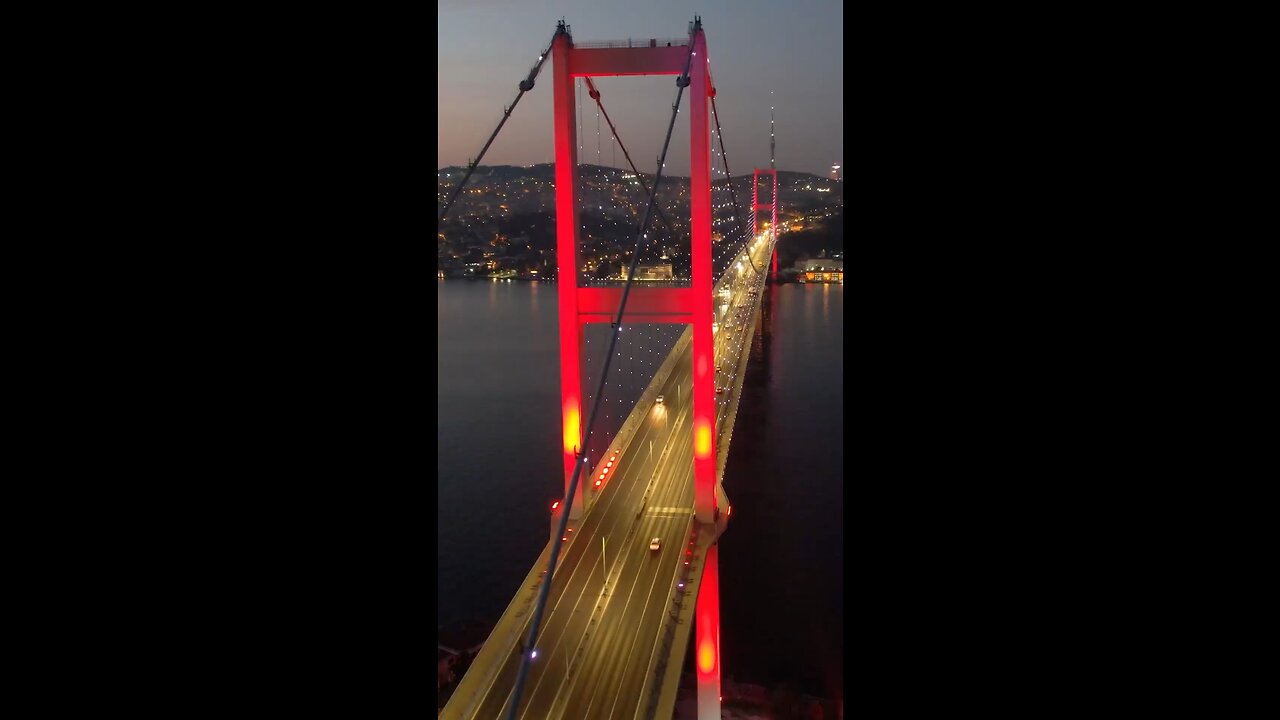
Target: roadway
x=612, y=596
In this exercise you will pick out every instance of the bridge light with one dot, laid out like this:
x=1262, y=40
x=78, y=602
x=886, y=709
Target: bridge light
x=706, y=657
x=571, y=425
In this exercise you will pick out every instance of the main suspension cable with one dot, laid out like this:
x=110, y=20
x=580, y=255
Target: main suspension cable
x=526, y=655
x=525, y=86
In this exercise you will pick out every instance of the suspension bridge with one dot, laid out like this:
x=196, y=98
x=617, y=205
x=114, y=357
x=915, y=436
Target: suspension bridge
x=600, y=626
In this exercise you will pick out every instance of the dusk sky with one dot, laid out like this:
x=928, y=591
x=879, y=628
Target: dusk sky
x=794, y=48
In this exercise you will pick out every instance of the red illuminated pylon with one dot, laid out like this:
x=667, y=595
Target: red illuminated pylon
x=772, y=206
x=582, y=305
x=706, y=658
x=692, y=305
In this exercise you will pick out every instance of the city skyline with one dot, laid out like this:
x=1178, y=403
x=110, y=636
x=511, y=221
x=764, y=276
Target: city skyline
x=486, y=48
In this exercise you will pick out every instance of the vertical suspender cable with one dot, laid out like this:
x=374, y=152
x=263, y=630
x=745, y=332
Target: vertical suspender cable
x=595, y=95
x=737, y=211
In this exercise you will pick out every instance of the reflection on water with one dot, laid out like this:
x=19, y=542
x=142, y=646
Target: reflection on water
x=781, y=560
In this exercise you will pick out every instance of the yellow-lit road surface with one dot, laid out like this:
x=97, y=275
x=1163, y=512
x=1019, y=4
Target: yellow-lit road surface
x=617, y=622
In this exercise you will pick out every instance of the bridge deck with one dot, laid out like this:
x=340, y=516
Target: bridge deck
x=617, y=620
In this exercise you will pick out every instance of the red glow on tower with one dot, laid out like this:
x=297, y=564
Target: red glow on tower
x=706, y=655
x=572, y=425
x=691, y=305
x=566, y=171
x=702, y=440
x=707, y=631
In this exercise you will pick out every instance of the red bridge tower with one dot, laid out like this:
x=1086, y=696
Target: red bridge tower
x=692, y=305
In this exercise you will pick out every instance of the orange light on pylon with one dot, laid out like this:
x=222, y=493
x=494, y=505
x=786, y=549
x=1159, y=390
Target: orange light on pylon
x=706, y=656
x=702, y=440
x=572, y=426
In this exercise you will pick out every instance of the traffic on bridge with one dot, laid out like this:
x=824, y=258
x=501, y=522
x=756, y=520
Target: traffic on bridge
x=614, y=597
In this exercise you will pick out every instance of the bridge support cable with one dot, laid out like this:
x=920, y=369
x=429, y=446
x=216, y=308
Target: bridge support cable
x=737, y=209
x=526, y=654
x=525, y=86
x=595, y=95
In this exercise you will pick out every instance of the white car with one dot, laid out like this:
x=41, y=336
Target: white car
x=655, y=544
x=659, y=400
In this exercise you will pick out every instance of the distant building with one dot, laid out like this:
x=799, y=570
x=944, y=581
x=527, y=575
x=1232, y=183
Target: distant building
x=820, y=270
x=655, y=272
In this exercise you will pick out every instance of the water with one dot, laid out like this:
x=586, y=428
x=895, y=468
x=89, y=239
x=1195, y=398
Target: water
x=781, y=560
